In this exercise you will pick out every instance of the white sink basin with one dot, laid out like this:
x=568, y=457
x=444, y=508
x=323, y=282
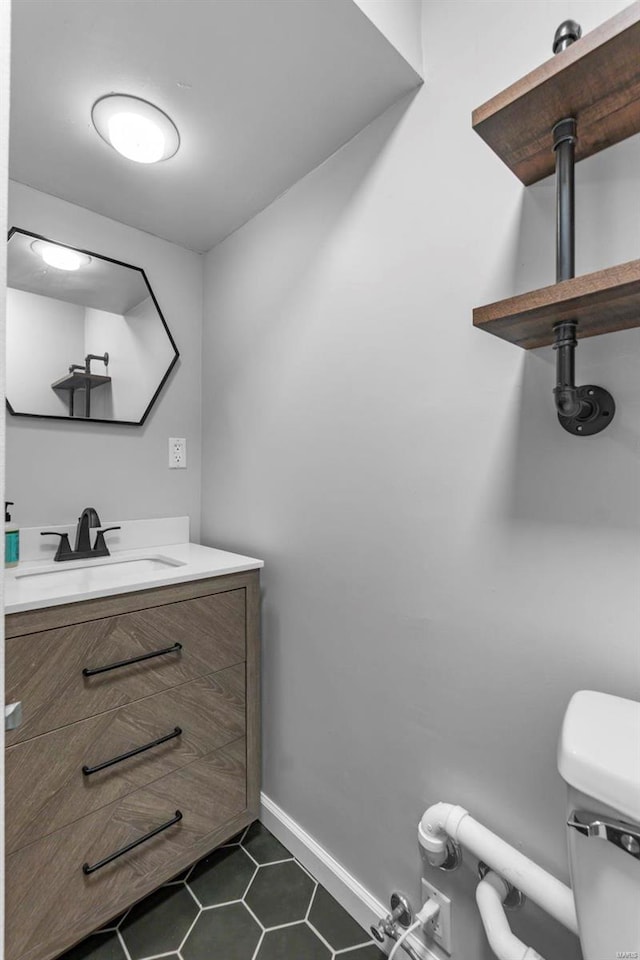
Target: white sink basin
x=143, y=561
x=100, y=570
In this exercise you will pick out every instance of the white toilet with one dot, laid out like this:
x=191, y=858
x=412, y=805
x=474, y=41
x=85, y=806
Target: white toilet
x=599, y=758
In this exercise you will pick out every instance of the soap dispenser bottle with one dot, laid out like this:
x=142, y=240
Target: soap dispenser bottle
x=11, y=538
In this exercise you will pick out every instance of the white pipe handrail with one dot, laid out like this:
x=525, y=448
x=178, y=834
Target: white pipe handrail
x=490, y=895
x=444, y=820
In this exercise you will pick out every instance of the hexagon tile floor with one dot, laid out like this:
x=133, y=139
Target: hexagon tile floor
x=248, y=900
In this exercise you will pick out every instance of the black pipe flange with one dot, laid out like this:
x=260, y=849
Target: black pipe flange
x=597, y=411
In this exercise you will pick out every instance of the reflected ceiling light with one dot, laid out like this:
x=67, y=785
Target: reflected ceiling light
x=63, y=258
x=135, y=128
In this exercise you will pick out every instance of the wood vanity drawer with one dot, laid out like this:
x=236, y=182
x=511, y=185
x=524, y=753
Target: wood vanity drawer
x=46, y=787
x=45, y=670
x=52, y=903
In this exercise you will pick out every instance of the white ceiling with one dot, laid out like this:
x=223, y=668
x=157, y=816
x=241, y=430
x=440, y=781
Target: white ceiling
x=262, y=91
x=101, y=284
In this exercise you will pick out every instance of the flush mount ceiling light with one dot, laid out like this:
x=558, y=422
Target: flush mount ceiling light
x=135, y=128
x=63, y=258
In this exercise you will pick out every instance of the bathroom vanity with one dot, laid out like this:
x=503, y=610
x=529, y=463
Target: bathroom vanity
x=138, y=749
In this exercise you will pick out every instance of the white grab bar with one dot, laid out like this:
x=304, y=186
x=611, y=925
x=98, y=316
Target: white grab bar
x=490, y=895
x=444, y=820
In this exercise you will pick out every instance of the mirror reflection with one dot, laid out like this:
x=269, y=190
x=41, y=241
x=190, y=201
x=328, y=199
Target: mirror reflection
x=86, y=339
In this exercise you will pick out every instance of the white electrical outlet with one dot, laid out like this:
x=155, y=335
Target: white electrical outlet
x=438, y=929
x=177, y=453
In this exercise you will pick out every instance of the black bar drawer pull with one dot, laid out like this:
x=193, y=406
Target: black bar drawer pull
x=92, y=671
x=131, y=753
x=92, y=867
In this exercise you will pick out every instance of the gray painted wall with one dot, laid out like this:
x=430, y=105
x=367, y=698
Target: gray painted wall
x=444, y=565
x=400, y=23
x=56, y=468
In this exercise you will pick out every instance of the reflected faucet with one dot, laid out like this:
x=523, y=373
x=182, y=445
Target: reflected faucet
x=87, y=521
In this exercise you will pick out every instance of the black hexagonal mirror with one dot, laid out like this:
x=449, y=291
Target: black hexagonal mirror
x=86, y=339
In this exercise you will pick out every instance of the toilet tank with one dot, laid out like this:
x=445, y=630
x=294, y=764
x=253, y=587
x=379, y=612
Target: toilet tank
x=599, y=758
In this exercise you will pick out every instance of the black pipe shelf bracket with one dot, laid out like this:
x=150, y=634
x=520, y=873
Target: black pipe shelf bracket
x=80, y=377
x=582, y=411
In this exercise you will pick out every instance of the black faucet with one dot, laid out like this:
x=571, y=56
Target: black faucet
x=88, y=518
x=87, y=521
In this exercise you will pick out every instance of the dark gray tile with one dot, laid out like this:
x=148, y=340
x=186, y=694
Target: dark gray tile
x=227, y=933
x=180, y=876
x=113, y=923
x=280, y=893
x=292, y=943
x=100, y=946
x=370, y=952
x=160, y=923
x=263, y=846
x=236, y=839
x=224, y=875
x=334, y=923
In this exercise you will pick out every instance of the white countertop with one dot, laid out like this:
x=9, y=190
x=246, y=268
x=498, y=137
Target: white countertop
x=73, y=581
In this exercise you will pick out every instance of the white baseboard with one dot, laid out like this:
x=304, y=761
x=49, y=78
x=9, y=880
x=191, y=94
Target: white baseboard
x=342, y=885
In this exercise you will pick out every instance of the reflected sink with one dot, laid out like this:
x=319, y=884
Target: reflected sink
x=102, y=570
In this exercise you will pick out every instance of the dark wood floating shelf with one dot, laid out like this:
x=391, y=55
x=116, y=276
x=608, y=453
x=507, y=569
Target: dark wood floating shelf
x=601, y=302
x=596, y=80
x=79, y=380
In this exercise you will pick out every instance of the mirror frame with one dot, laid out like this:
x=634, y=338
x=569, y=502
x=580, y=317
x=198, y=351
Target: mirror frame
x=176, y=352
